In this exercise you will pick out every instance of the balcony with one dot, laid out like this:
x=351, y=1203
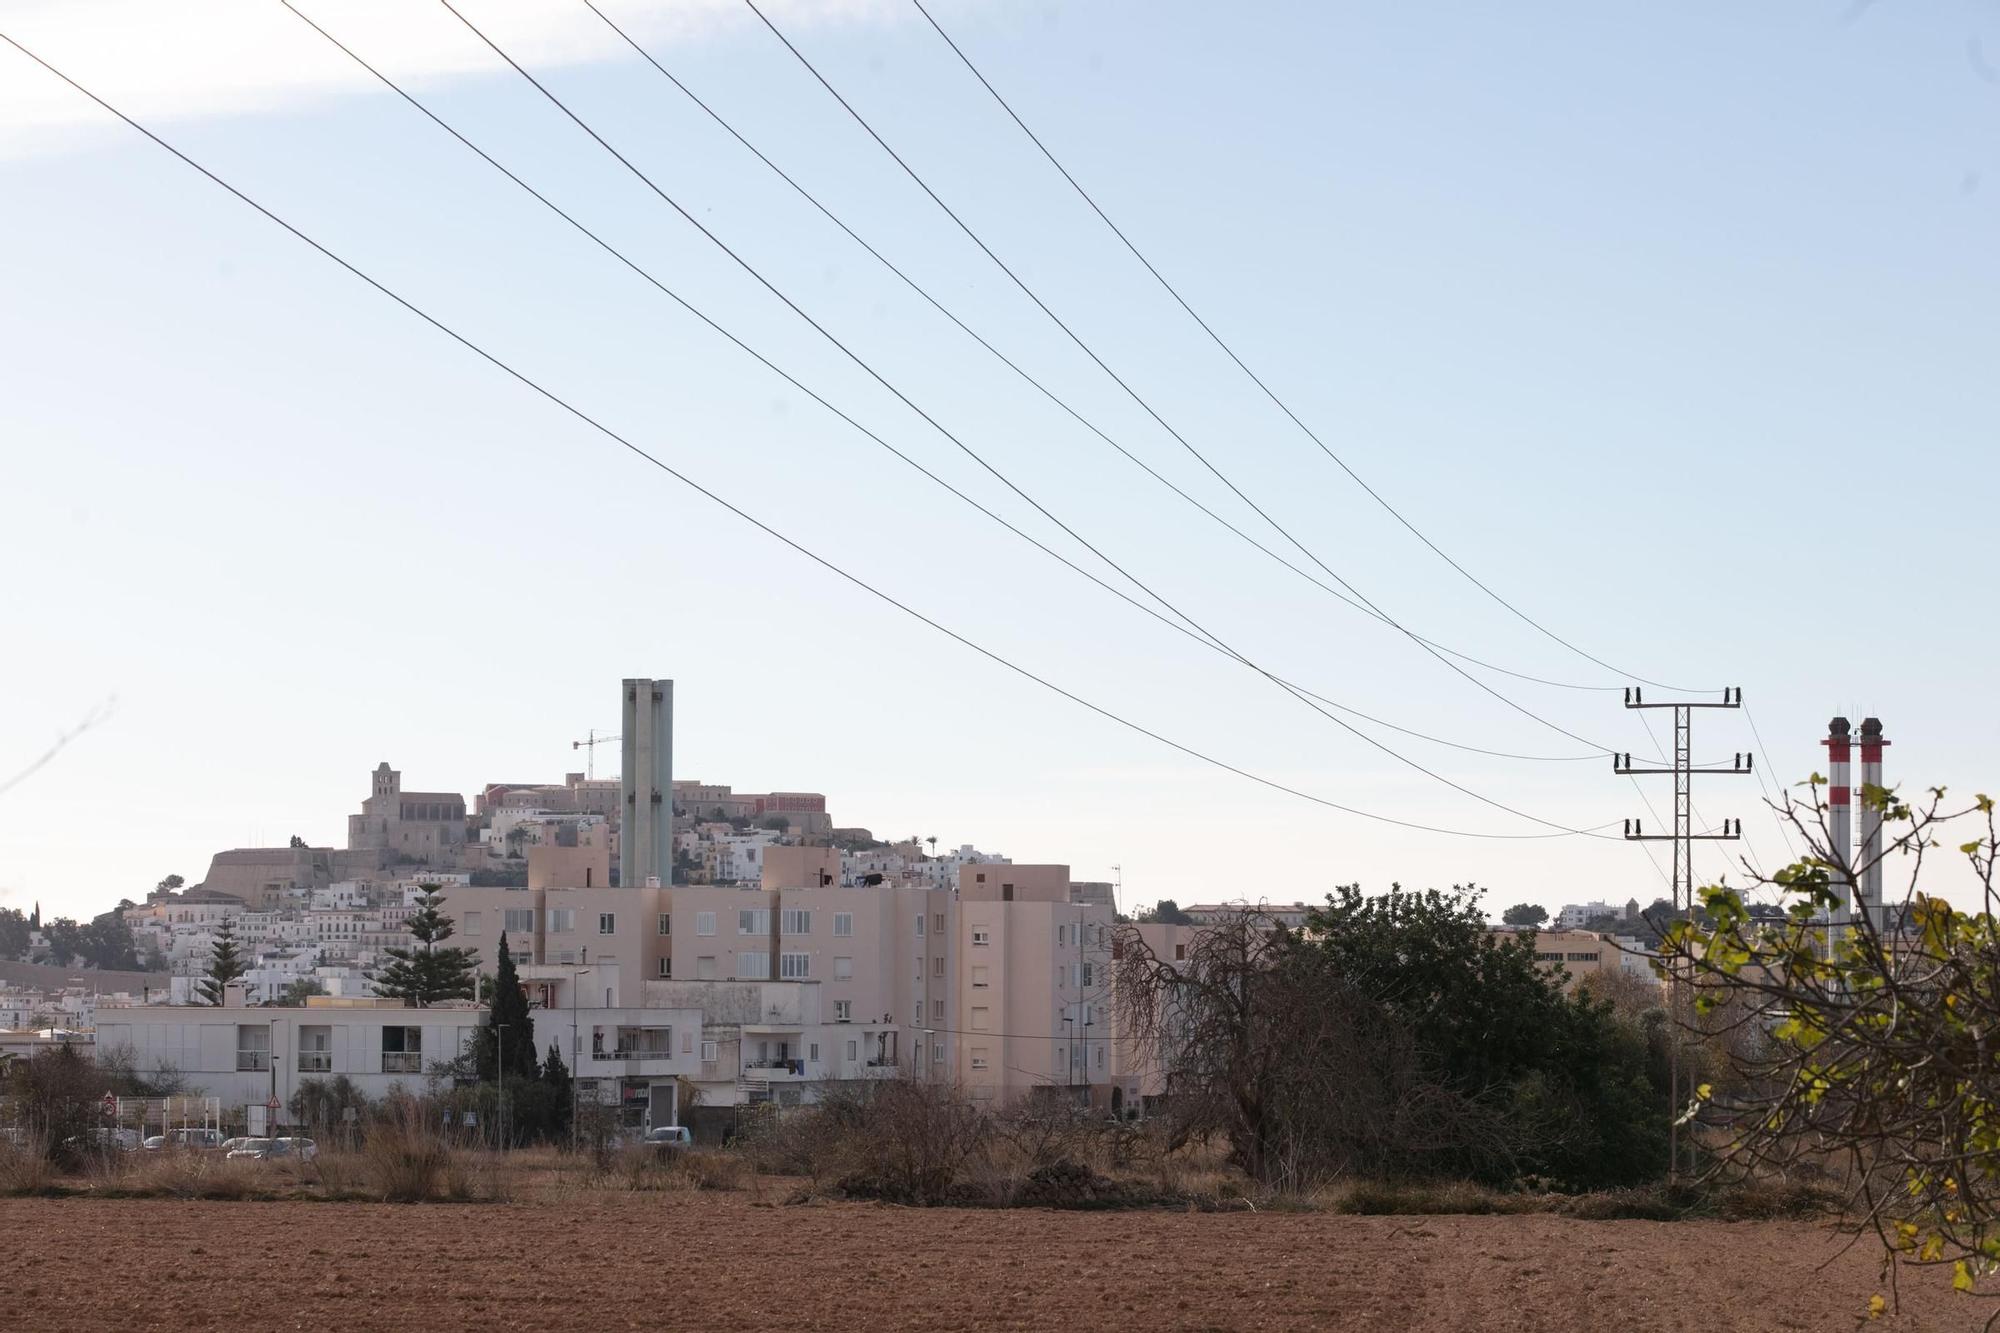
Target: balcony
x=768, y=1069
x=252, y=1061
x=632, y=1061
x=315, y=1062
x=402, y=1062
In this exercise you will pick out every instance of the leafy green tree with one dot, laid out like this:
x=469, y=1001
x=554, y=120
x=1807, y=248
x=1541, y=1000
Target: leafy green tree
x=322, y=1104
x=170, y=884
x=13, y=933
x=1878, y=1048
x=296, y=993
x=225, y=964
x=1525, y=914
x=1165, y=912
x=513, y=1050
x=430, y=971
x=1396, y=1035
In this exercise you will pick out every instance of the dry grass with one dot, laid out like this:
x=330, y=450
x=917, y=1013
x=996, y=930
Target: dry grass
x=25, y=1169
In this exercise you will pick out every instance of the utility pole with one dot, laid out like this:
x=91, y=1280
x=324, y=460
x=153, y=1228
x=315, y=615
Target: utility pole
x=1683, y=838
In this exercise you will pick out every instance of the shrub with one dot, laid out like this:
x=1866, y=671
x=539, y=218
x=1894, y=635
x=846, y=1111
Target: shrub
x=25, y=1168
x=406, y=1162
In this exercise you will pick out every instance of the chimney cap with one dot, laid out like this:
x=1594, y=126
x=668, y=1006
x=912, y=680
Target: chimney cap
x=1837, y=727
x=1871, y=727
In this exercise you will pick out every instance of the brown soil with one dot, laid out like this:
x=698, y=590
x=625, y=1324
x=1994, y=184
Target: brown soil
x=604, y=1260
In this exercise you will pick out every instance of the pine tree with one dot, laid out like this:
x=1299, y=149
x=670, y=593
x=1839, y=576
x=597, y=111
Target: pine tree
x=224, y=965
x=514, y=1050
x=427, y=973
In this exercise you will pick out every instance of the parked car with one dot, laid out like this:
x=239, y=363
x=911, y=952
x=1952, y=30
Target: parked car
x=254, y=1149
x=194, y=1138
x=303, y=1149
x=154, y=1142
x=668, y=1136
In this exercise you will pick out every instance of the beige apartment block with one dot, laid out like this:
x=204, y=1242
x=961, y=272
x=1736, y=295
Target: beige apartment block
x=1034, y=988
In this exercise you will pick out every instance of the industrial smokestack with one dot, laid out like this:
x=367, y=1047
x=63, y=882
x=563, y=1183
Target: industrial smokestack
x=1840, y=815
x=1871, y=820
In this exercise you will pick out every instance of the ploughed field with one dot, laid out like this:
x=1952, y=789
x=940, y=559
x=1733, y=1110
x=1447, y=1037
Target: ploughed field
x=610, y=1260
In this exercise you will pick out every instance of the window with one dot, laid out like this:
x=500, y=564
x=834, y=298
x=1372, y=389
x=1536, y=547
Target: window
x=402, y=1050
x=468, y=923
x=562, y=920
x=753, y=921
x=937, y=1009
x=979, y=1057
x=1087, y=974
x=796, y=921
x=980, y=938
x=794, y=966
x=666, y=923
x=843, y=1011
x=979, y=981
x=1180, y=953
x=843, y=969
x=253, y=1046
x=812, y=1052
x=1062, y=936
x=843, y=924
x=937, y=967
x=704, y=968
x=920, y=925
x=520, y=921
x=666, y=967
x=704, y=923
x=1100, y=1057
x=753, y=966
x=853, y=1050
x=315, y=1050
x=982, y=1018
x=937, y=1052
x=917, y=1018
x=607, y=923
x=708, y=1052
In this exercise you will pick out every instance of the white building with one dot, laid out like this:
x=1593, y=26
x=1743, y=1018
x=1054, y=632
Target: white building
x=248, y=1055
x=1574, y=916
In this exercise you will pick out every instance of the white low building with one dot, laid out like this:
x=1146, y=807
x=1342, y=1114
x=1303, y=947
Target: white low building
x=250, y=1055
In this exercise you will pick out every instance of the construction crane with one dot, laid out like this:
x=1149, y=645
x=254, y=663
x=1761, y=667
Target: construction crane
x=589, y=747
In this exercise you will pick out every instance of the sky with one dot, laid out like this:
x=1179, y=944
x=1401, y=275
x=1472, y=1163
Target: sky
x=1673, y=325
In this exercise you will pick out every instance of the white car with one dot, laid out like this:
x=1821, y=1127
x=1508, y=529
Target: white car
x=668, y=1136
x=303, y=1149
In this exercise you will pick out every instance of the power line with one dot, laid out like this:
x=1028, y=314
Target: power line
x=1373, y=494
x=653, y=280
x=1037, y=384
x=963, y=447
x=636, y=450
x=1130, y=392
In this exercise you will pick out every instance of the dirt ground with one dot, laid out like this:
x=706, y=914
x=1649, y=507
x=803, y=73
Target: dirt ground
x=606, y=1260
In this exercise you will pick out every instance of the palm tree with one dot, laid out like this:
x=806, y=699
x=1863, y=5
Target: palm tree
x=932, y=840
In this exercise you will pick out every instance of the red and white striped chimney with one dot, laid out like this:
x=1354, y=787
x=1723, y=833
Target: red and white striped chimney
x=1871, y=818
x=1840, y=813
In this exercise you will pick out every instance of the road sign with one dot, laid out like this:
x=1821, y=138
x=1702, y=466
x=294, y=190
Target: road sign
x=271, y=1105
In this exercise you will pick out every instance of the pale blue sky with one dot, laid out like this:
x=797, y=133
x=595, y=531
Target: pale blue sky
x=1562, y=281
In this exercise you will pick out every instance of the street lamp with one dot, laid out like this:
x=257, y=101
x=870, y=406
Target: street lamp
x=576, y=977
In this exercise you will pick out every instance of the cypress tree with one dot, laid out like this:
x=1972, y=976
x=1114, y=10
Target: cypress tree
x=561, y=1095
x=225, y=965
x=507, y=1010
x=428, y=973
